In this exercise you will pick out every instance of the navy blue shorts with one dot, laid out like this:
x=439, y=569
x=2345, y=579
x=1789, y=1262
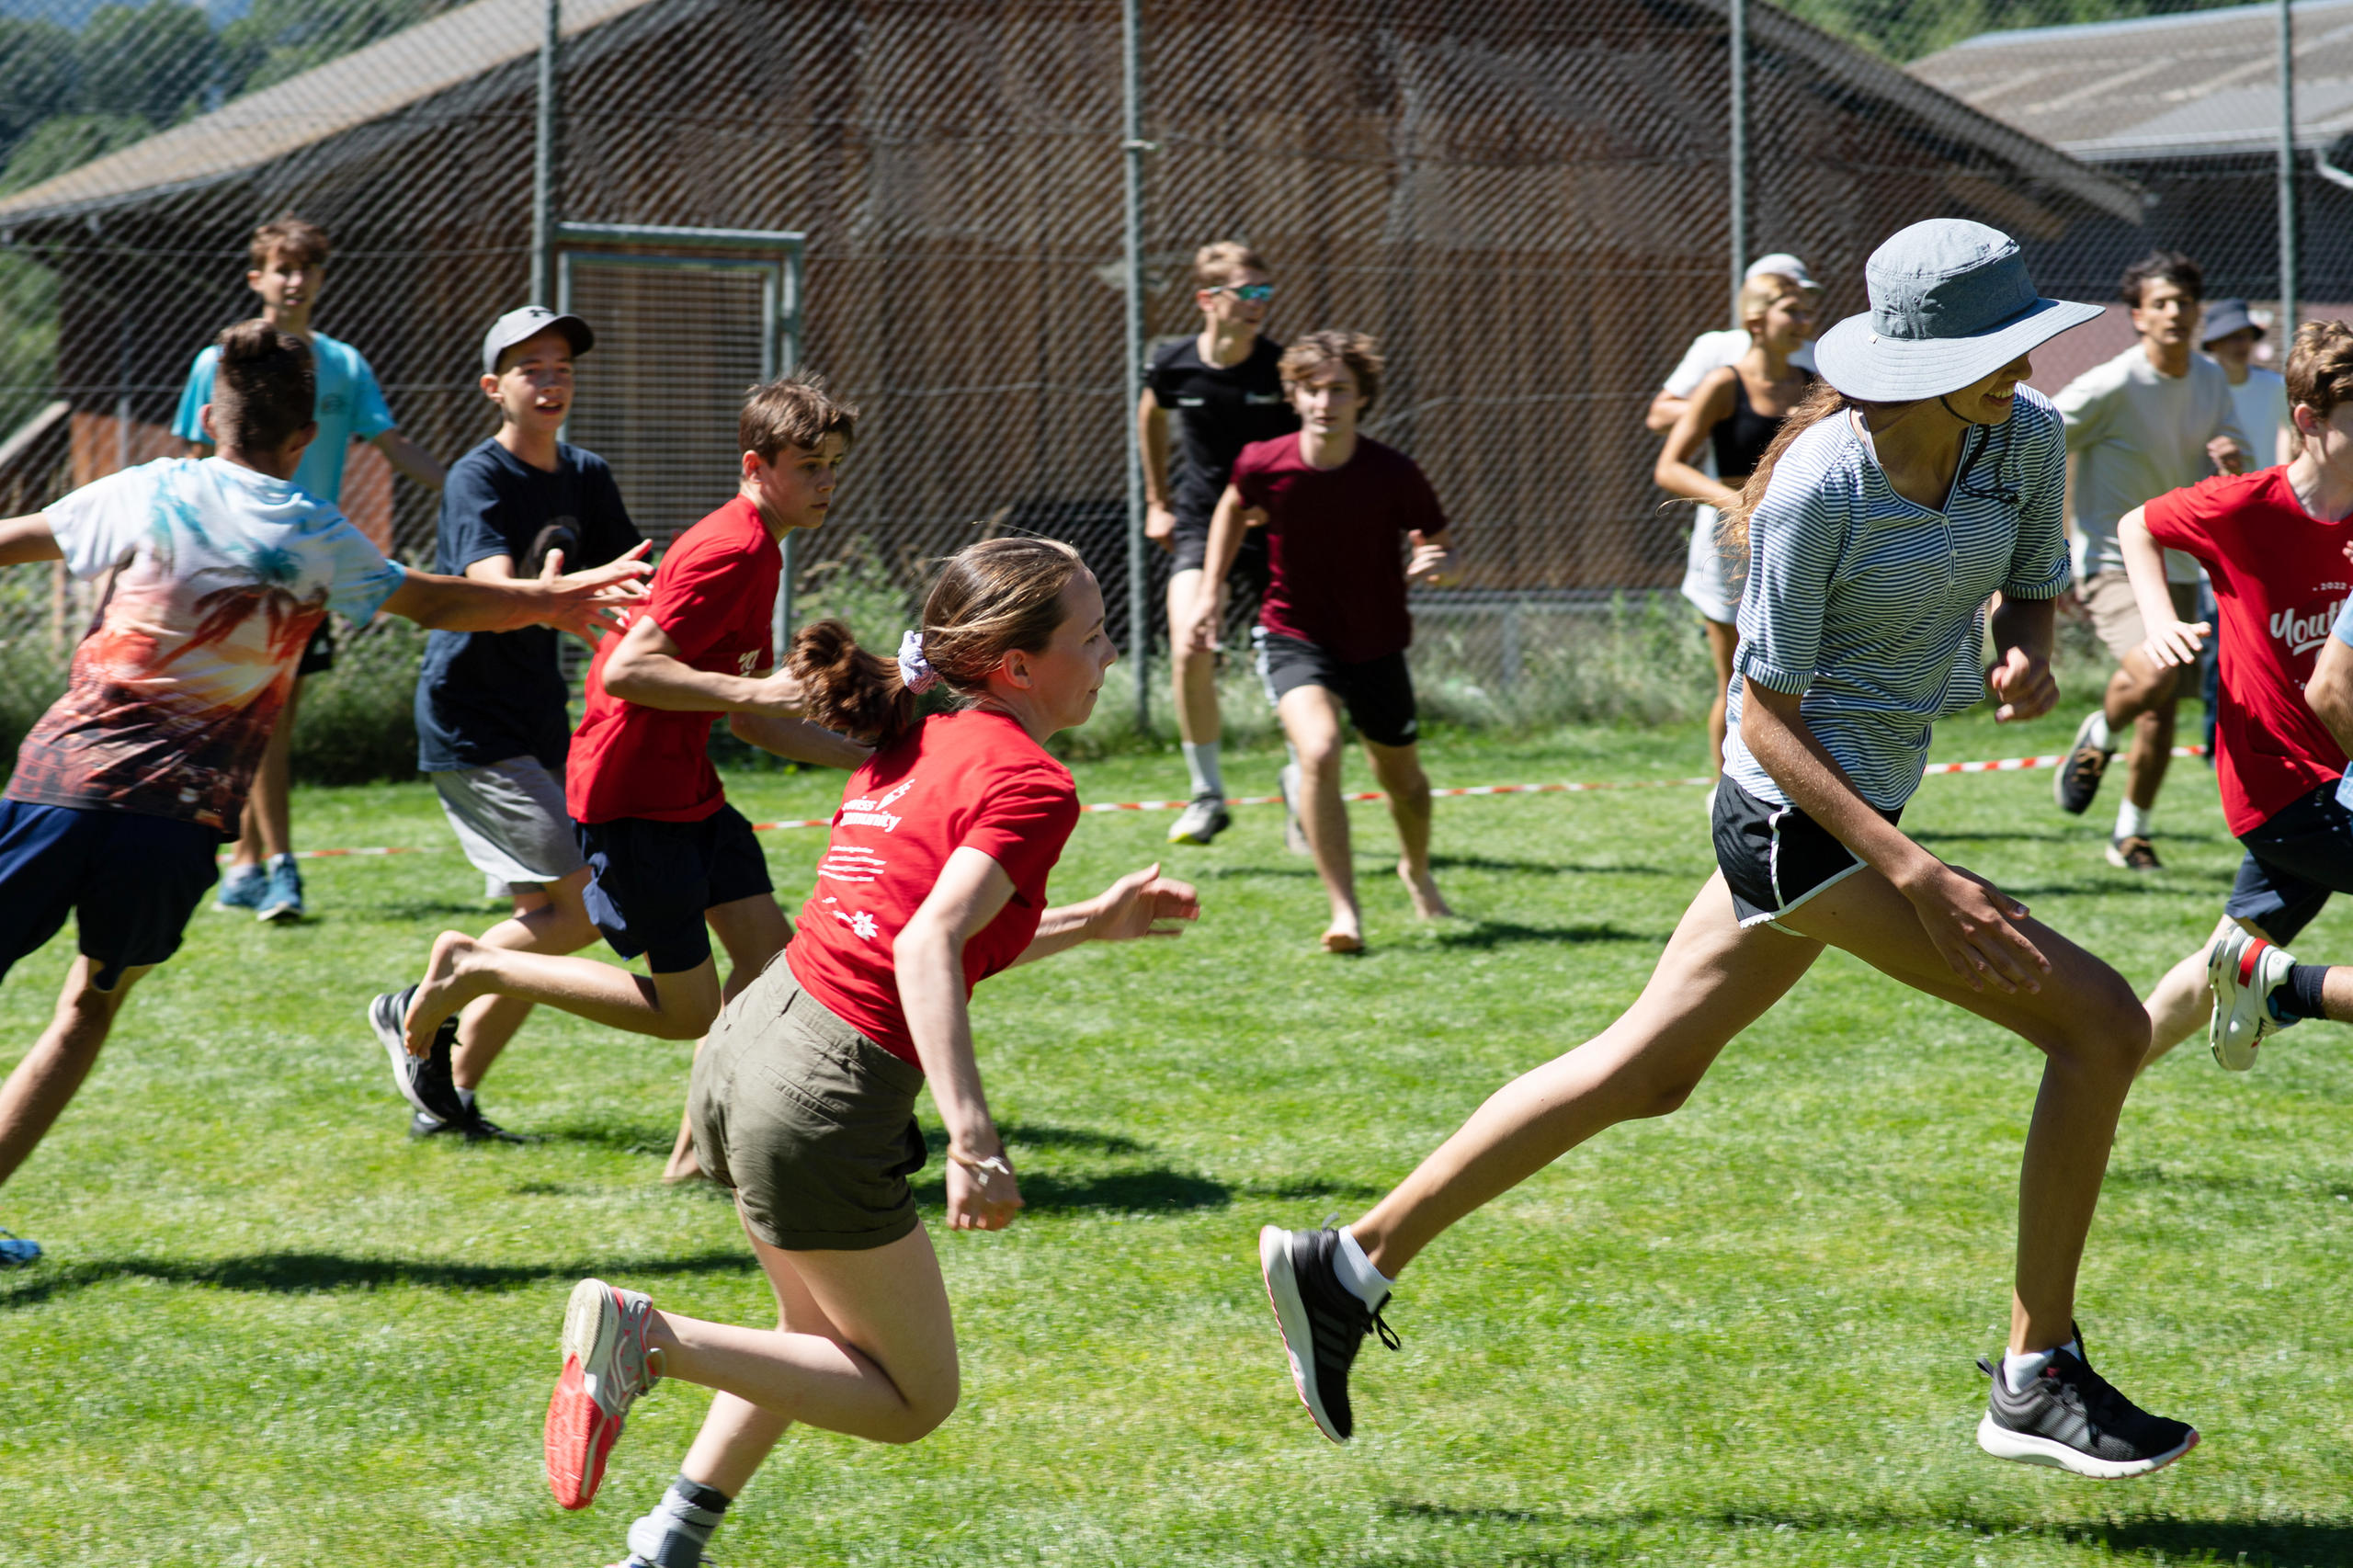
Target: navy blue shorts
x=1775, y=857
x=649, y=882
x=131, y=882
x=2302, y=853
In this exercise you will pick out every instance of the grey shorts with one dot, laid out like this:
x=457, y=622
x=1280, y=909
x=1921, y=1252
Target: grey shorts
x=2116, y=612
x=811, y=1122
x=511, y=821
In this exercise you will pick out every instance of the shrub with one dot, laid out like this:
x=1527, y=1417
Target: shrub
x=357, y=723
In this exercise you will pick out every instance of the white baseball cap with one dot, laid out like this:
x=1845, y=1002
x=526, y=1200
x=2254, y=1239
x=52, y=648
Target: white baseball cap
x=1785, y=264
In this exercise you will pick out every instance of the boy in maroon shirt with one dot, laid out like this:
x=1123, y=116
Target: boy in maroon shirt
x=667, y=855
x=2275, y=543
x=1340, y=510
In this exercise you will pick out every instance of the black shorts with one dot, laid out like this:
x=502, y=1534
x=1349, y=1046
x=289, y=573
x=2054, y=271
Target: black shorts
x=131, y=880
x=1378, y=693
x=1248, y=575
x=1775, y=857
x=650, y=882
x=2302, y=853
x=318, y=653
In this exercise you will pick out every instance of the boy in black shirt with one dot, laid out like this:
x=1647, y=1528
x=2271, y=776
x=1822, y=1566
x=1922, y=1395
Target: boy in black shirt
x=1227, y=393
x=493, y=721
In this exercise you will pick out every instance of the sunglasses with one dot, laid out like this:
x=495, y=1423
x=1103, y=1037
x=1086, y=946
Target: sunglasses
x=1255, y=294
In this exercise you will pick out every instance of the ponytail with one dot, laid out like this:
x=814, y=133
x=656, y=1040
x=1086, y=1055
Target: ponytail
x=1732, y=522
x=849, y=688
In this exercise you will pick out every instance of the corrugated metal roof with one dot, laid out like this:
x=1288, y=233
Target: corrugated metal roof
x=366, y=84
x=2189, y=85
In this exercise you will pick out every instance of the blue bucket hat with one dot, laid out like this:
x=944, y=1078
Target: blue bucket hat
x=1950, y=304
x=2225, y=317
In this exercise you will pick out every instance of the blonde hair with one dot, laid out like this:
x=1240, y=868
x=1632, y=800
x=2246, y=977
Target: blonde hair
x=1761, y=293
x=1215, y=265
x=2320, y=368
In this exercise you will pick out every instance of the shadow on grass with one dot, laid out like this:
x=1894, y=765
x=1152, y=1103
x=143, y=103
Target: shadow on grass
x=1044, y=1192
x=307, y=1273
x=1039, y=1135
x=1494, y=863
x=621, y=1137
x=2123, y=885
x=1484, y=934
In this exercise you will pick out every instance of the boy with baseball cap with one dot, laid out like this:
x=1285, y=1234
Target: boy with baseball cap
x=493, y=715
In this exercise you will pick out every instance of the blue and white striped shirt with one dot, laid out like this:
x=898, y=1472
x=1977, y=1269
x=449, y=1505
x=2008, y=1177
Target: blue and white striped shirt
x=1873, y=606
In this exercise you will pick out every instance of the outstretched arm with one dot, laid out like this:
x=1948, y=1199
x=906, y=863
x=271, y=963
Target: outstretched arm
x=411, y=460
x=29, y=539
x=797, y=740
x=1142, y=904
x=582, y=602
x=650, y=669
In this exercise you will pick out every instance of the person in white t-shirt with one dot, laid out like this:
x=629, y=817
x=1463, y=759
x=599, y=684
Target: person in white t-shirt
x=126, y=788
x=2157, y=417
x=2229, y=333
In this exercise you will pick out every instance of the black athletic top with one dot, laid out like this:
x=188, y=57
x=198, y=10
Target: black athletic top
x=1742, y=435
x=1220, y=410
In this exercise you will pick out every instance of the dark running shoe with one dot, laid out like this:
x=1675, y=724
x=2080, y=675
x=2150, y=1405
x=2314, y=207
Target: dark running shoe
x=2133, y=852
x=2071, y=1418
x=2087, y=765
x=425, y=1124
x=424, y=1082
x=1322, y=1321
x=479, y=1129
x=1203, y=818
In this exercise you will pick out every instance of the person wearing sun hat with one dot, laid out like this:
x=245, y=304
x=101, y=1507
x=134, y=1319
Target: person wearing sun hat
x=2228, y=333
x=1921, y=480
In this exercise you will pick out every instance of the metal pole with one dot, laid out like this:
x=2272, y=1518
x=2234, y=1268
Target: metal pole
x=1134, y=147
x=1739, y=196
x=2286, y=332
x=543, y=161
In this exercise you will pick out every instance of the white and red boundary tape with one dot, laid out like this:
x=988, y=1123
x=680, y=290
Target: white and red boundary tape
x=1999, y=764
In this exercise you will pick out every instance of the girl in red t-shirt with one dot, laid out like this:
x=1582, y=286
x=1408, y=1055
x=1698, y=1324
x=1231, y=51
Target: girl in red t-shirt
x=804, y=1095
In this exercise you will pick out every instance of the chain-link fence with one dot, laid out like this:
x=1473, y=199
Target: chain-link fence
x=1525, y=200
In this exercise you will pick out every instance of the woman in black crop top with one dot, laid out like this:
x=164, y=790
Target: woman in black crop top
x=1737, y=409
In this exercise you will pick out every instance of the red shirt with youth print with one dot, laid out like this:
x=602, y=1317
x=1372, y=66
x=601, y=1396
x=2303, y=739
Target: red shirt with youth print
x=2280, y=577
x=1335, y=543
x=972, y=779
x=715, y=594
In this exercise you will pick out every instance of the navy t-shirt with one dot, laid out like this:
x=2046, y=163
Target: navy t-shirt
x=486, y=696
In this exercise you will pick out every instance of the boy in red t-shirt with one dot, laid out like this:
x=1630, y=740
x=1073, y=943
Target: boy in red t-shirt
x=2276, y=543
x=1339, y=509
x=667, y=855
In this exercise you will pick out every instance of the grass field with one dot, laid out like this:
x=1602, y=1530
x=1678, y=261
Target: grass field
x=272, y=1330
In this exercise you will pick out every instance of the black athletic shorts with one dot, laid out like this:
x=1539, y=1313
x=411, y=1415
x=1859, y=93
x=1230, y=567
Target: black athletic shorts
x=1775, y=857
x=1378, y=693
x=1249, y=573
x=649, y=882
x=2302, y=853
x=131, y=882
x=318, y=654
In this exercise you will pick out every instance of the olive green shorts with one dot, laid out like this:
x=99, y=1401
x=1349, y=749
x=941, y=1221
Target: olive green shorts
x=811, y=1122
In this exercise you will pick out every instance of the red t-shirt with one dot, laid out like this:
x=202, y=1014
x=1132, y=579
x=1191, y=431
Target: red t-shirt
x=2280, y=577
x=972, y=778
x=1335, y=543
x=715, y=594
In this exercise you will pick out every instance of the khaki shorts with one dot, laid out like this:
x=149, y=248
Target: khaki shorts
x=811, y=1122
x=2116, y=614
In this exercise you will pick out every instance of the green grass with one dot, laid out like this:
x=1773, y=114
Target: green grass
x=271, y=1330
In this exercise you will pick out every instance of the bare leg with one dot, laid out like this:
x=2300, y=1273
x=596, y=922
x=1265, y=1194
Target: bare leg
x=1192, y=673
x=1399, y=770
x=2093, y=1034
x=2142, y=696
x=2149, y=755
x=753, y=930
x=45, y=1081
x=882, y=1367
x=1713, y=981
x=1310, y=718
x=1724, y=640
x=266, y=828
x=550, y=921
x=2183, y=1002
x=678, y=1006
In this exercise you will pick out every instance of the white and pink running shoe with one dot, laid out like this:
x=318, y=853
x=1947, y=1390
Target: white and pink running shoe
x=607, y=1364
x=2244, y=970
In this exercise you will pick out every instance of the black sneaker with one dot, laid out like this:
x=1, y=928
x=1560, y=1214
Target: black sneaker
x=479, y=1129
x=2084, y=766
x=1322, y=1322
x=424, y=1082
x=2071, y=1418
x=2133, y=852
x=425, y=1124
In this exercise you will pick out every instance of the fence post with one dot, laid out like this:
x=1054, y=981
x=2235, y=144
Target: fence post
x=543, y=162
x=1132, y=148
x=1739, y=193
x=2287, y=180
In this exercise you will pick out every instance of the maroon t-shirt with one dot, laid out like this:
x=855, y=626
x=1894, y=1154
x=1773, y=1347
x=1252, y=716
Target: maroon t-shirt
x=1335, y=543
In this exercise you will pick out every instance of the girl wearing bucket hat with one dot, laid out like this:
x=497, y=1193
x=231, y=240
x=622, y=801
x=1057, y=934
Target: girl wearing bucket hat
x=1919, y=482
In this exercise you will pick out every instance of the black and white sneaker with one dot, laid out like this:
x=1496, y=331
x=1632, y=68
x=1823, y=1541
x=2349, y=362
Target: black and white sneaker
x=2071, y=1418
x=479, y=1129
x=1322, y=1322
x=2085, y=766
x=1203, y=818
x=424, y=1082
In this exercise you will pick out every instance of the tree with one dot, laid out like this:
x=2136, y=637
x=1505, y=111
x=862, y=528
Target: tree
x=159, y=61
x=37, y=77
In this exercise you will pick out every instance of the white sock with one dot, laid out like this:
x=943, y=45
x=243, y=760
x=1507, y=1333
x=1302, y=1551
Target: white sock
x=285, y=860
x=2099, y=735
x=466, y=1099
x=2025, y=1366
x=1357, y=1272
x=1201, y=761
x=243, y=873
x=2131, y=820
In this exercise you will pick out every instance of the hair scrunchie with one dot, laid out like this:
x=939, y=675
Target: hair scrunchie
x=913, y=673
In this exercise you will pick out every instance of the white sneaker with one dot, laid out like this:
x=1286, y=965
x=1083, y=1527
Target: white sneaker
x=1203, y=818
x=2244, y=970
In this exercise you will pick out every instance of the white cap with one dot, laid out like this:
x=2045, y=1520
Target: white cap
x=1785, y=264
